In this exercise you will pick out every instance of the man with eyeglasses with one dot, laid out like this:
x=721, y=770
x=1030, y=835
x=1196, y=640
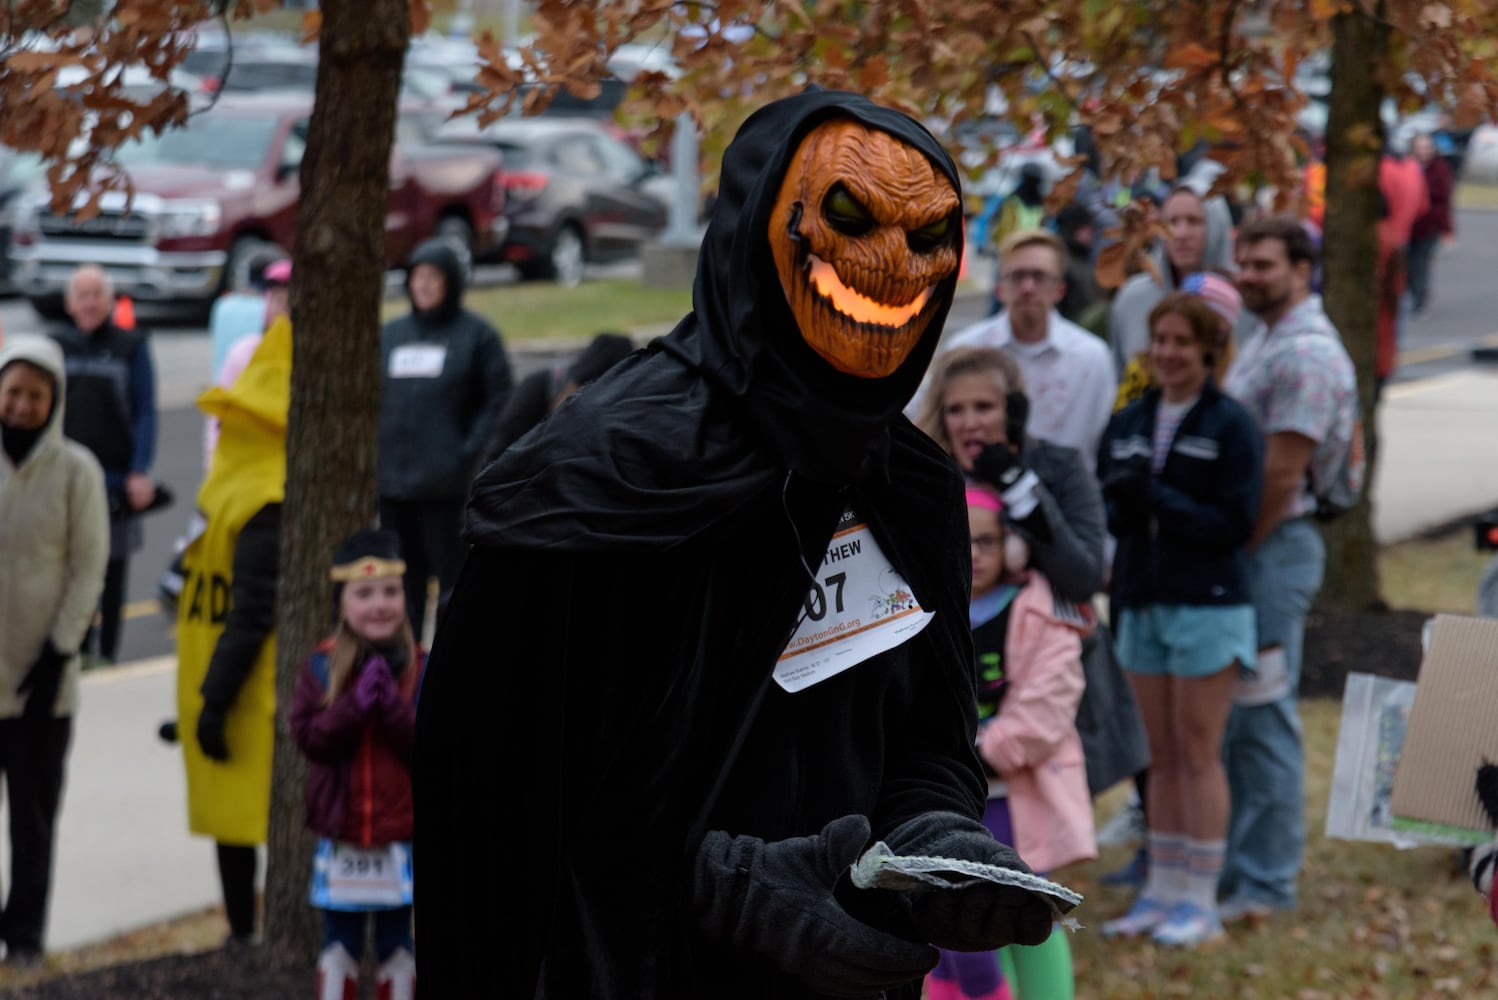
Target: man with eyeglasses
x=1069, y=376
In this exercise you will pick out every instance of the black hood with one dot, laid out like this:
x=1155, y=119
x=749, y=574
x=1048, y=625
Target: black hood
x=443, y=258
x=602, y=353
x=1031, y=187
x=741, y=333
x=671, y=439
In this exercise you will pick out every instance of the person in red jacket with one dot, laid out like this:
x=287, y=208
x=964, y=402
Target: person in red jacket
x=354, y=717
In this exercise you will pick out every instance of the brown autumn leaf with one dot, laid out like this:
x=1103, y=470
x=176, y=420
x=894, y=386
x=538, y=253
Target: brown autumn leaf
x=28, y=61
x=311, y=26
x=1192, y=55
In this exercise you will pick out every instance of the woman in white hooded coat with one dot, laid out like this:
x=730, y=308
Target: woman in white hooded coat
x=54, y=542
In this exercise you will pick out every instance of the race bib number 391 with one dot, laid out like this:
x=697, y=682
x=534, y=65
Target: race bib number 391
x=859, y=607
x=345, y=876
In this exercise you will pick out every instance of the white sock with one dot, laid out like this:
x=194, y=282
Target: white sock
x=1166, y=882
x=1204, y=868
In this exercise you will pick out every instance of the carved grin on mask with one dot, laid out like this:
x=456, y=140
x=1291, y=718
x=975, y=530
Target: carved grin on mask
x=864, y=230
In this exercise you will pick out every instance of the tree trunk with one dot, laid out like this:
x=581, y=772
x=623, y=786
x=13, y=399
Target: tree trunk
x=332, y=446
x=1354, y=142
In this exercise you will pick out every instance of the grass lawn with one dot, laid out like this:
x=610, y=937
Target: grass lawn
x=1433, y=574
x=539, y=310
x=1373, y=922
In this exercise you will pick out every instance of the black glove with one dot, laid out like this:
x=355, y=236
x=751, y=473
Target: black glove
x=1487, y=790
x=211, y=733
x=776, y=901
x=998, y=465
x=979, y=917
x=42, y=683
x=1001, y=467
x=1129, y=486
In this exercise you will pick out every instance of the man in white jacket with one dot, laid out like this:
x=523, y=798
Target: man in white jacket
x=54, y=542
x=1069, y=376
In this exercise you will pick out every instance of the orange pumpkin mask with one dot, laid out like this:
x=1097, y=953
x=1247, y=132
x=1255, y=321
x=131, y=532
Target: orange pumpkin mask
x=863, y=232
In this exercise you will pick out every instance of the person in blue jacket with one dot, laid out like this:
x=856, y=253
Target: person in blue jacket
x=1181, y=469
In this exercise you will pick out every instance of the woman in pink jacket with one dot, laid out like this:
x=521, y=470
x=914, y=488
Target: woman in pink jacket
x=1028, y=644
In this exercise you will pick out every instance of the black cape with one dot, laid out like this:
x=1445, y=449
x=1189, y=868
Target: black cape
x=600, y=695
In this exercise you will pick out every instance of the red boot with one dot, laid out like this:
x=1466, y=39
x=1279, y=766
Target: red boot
x=337, y=974
x=396, y=979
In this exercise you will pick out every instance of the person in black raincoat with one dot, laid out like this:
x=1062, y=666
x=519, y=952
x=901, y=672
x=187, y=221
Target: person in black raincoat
x=444, y=380
x=622, y=789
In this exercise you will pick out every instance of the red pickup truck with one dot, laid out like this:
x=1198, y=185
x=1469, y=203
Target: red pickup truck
x=215, y=199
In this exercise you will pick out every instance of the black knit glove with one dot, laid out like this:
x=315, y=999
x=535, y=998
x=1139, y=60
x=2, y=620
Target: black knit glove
x=998, y=465
x=979, y=917
x=42, y=683
x=1128, y=487
x=211, y=734
x=1001, y=467
x=1487, y=790
x=775, y=900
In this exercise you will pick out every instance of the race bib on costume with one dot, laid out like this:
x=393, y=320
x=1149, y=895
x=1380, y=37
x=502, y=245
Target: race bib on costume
x=858, y=607
x=417, y=361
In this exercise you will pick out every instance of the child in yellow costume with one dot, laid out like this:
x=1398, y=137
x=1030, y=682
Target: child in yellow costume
x=226, y=648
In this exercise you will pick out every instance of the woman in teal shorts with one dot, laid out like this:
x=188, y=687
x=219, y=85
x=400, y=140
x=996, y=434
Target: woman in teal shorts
x=1181, y=469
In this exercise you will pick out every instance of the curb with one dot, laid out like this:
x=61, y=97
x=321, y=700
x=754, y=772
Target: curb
x=149, y=667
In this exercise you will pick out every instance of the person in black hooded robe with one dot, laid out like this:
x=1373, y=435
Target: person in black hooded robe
x=614, y=796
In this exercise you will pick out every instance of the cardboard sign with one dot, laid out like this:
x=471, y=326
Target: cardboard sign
x=1451, y=730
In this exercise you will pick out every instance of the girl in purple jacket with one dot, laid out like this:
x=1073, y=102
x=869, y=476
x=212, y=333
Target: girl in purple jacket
x=354, y=718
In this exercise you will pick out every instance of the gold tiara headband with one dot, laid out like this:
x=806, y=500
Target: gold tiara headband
x=368, y=568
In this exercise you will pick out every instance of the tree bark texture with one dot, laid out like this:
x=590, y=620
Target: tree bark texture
x=1354, y=143
x=332, y=437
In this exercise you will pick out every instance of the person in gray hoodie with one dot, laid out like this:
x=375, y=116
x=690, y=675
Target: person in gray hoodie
x=54, y=542
x=1201, y=239
x=444, y=381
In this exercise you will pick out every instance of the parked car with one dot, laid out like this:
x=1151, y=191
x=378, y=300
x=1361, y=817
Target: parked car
x=218, y=197
x=19, y=173
x=263, y=64
x=574, y=193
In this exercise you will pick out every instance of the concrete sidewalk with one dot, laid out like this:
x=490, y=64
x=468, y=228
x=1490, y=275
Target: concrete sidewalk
x=1438, y=453
x=124, y=857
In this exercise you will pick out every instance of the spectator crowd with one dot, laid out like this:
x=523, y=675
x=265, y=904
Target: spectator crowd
x=1145, y=470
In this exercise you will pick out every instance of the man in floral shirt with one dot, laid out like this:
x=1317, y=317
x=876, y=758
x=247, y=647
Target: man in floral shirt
x=1296, y=378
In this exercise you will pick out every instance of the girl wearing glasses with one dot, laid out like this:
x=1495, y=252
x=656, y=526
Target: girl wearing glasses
x=1028, y=644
